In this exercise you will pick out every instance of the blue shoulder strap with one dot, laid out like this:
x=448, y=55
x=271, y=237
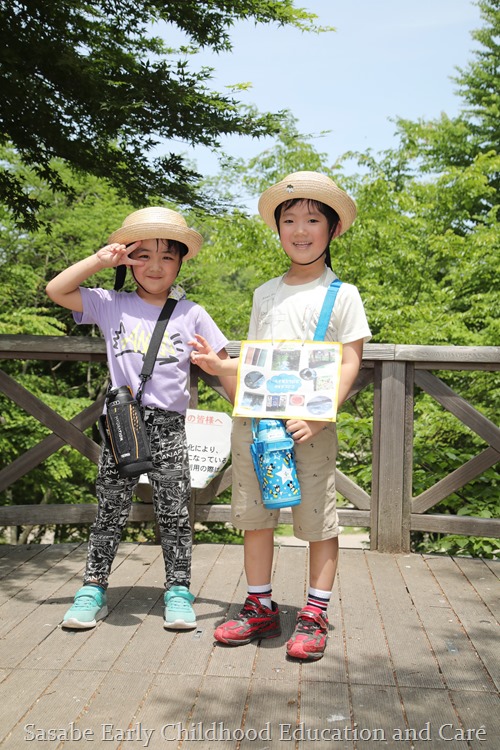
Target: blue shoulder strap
x=326, y=310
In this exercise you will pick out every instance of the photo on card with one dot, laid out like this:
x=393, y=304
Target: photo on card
x=286, y=361
x=276, y=403
x=254, y=401
x=318, y=357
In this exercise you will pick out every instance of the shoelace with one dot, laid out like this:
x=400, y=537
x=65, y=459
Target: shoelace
x=178, y=602
x=85, y=601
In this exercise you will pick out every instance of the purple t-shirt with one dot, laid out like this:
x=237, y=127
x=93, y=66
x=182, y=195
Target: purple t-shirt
x=127, y=323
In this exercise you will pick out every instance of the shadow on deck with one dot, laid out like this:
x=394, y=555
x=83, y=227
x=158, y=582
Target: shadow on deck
x=412, y=660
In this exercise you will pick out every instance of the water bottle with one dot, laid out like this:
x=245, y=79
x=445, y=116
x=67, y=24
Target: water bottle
x=274, y=463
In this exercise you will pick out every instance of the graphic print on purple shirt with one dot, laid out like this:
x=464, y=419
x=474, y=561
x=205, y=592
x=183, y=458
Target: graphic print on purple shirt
x=127, y=323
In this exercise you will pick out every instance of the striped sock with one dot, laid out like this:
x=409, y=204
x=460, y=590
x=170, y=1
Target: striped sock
x=318, y=598
x=264, y=593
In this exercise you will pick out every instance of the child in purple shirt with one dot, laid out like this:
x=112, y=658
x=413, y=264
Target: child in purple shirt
x=153, y=243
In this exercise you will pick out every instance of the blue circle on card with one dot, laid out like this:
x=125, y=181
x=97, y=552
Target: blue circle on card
x=308, y=374
x=319, y=405
x=254, y=379
x=283, y=383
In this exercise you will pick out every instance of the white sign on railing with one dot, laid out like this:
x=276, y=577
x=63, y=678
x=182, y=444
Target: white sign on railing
x=209, y=443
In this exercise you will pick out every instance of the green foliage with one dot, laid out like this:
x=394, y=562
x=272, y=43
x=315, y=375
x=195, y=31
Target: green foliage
x=94, y=84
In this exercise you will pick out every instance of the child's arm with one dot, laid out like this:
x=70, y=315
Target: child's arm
x=214, y=364
x=64, y=288
x=352, y=354
x=301, y=430
x=218, y=364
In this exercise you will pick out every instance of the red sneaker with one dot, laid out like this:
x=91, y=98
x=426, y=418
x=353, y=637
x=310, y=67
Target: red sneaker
x=253, y=621
x=309, y=638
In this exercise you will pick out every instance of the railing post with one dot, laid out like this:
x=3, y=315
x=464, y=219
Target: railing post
x=194, y=382
x=392, y=457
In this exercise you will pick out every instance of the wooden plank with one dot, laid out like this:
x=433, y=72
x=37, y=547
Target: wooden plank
x=18, y=692
x=81, y=513
x=55, y=513
x=86, y=348
x=49, y=418
x=24, y=606
x=33, y=572
x=377, y=418
x=60, y=348
x=408, y=457
x=62, y=702
x=325, y=706
x=454, y=481
x=447, y=354
x=377, y=712
x=216, y=487
x=14, y=556
x=447, y=524
x=391, y=458
x=407, y=641
x=484, y=581
x=459, y=407
x=478, y=711
x=42, y=624
x=271, y=714
x=476, y=618
x=428, y=711
x=167, y=711
x=58, y=646
x=368, y=659
x=451, y=648
x=112, y=710
x=219, y=699
x=49, y=445
x=351, y=491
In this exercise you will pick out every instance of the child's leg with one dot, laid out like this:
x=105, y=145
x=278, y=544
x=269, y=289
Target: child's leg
x=171, y=485
x=323, y=560
x=171, y=495
x=259, y=617
x=309, y=638
x=114, y=498
x=259, y=552
x=114, y=495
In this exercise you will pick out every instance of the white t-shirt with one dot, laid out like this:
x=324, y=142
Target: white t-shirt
x=282, y=311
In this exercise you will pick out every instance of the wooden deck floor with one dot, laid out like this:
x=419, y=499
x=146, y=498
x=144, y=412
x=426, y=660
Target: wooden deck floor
x=412, y=660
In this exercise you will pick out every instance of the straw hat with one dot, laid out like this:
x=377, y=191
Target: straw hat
x=307, y=185
x=157, y=223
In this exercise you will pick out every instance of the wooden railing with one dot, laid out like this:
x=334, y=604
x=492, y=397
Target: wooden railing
x=390, y=511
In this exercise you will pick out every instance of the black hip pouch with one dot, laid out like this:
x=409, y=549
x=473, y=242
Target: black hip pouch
x=124, y=432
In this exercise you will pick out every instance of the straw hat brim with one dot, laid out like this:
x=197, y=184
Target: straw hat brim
x=312, y=186
x=159, y=230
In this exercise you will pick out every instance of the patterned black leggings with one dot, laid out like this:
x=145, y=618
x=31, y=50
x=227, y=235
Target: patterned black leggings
x=171, y=486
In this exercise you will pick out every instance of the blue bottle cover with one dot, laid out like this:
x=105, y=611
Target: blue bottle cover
x=273, y=458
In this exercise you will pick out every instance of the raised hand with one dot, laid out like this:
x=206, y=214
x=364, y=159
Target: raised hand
x=117, y=254
x=209, y=361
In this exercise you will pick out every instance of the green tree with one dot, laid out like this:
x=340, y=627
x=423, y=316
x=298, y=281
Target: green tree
x=96, y=85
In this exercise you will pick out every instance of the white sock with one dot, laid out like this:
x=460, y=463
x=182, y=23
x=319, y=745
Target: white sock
x=264, y=593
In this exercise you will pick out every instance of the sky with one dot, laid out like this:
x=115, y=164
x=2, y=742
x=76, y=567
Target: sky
x=386, y=59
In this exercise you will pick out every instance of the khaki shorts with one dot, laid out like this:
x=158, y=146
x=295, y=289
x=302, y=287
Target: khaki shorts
x=315, y=518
